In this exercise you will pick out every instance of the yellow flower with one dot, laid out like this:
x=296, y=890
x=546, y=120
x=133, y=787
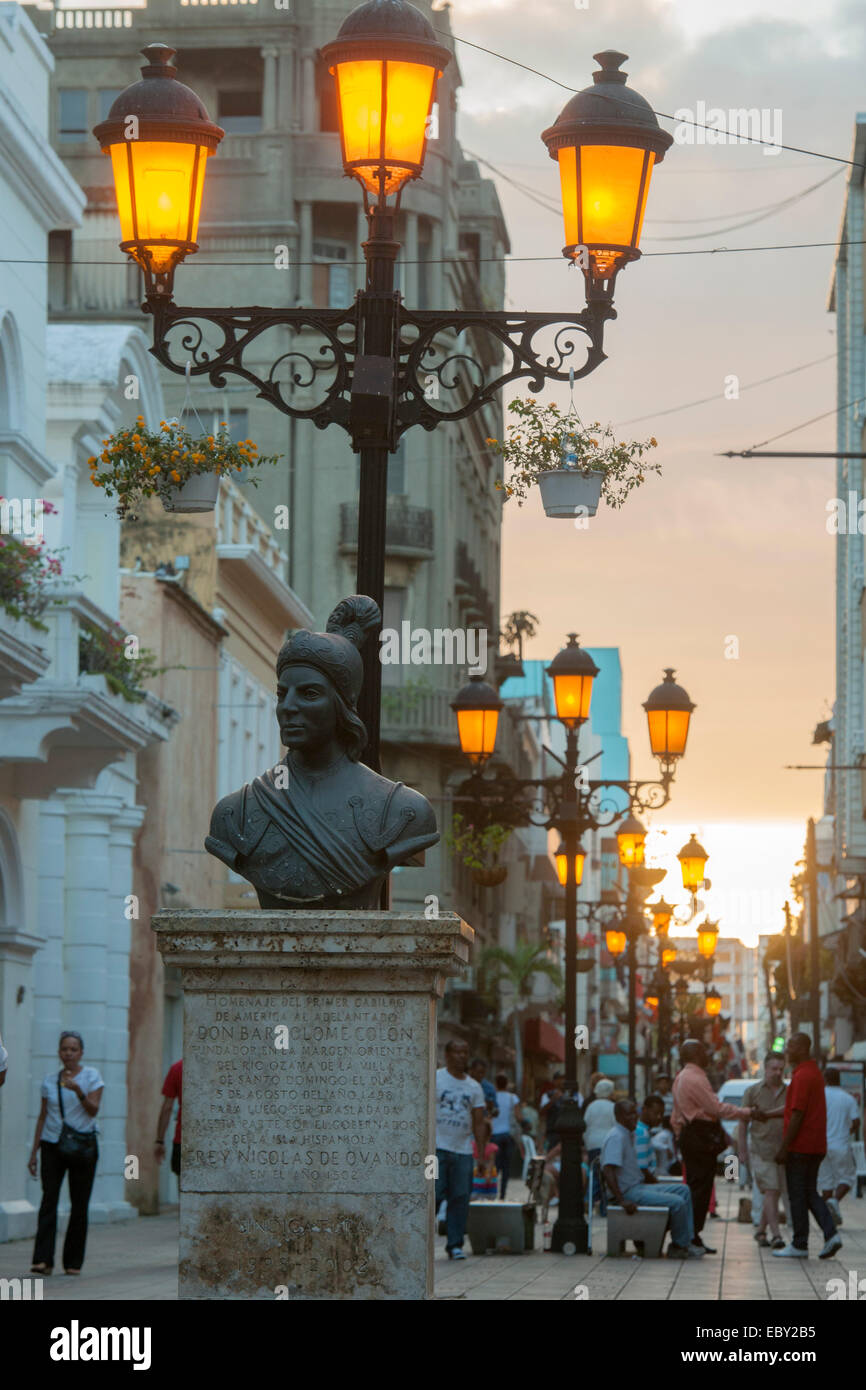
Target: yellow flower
x=210, y=439
x=92, y=460
x=174, y=475
x=164, y=426
x=654, y=443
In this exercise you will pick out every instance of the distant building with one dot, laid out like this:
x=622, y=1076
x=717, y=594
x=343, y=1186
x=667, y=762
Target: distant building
x=843, y=926
x=735, y=976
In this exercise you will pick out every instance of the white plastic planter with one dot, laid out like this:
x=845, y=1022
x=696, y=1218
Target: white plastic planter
x=563, y=490
x=198, y=494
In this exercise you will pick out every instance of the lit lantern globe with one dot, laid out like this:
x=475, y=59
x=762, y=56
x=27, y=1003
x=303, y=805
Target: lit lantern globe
x=572, y=671
x=159, y=137
x=693, y=861
x=708, y=935
x=630, y=839
x=615, y=941
x=561, y=858
x=669, y=955
x=607, y=141
x=668, y=711
x=713, y=1003
x=477, y=708
x=662, y=913
x=651, y=1000
x=386, y=64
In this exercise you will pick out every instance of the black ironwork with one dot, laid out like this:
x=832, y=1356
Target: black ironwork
x=432, y=357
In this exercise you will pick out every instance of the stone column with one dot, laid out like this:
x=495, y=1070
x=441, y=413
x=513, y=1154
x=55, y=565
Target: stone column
x=305, y=252
x=308, y=1137
x=410, y=264
x=269, y=88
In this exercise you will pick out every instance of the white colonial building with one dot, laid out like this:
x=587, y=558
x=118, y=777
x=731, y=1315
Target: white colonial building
x=68, y=746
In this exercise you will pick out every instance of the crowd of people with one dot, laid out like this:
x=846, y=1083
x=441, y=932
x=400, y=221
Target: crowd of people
x=793, y=1140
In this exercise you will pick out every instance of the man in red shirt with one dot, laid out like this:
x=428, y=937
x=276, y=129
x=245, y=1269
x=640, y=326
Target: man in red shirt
x=803, y=1146
x=172, y=1091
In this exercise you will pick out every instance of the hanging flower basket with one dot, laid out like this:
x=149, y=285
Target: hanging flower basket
x=564, y=490
x=574, y=465
x=490, y=878
x=198, y=494
x=182, y=470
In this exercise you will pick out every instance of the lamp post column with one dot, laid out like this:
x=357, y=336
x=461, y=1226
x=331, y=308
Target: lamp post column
x=570, y=1235
x=378, y=305
x=632, y=1005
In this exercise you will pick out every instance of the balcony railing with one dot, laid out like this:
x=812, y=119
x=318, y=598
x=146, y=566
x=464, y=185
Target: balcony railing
x=408, y=529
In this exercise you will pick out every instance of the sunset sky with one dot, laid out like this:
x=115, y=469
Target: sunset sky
x=715, y=548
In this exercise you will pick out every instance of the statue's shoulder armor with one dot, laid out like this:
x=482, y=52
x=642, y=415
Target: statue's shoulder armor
x=237, y=825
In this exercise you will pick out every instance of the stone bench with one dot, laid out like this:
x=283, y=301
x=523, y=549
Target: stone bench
x=646, y=1229
x=501, y=1226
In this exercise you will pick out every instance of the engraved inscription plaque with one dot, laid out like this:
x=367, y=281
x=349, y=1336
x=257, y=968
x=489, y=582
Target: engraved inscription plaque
x=306, y=1093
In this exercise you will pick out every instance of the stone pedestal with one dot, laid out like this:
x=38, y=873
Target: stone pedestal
x=309, y=1058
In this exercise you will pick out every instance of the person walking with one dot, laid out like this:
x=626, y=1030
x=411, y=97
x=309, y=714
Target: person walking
x=509, y=1114
x=695, y=1117
x=838, y=1172
x=631, y=1188
x=599, y=1119
x=172, y=1090
x=757, y=1149
x=663, y=1088
x=550, y=1106
x=460, y=1115
x=65, y=1141
x=801, y=1151
x=478, y=1071
x=4, y=1059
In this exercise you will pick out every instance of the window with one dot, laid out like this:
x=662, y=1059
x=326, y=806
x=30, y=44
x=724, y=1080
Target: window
x=396, y=472
x=326, y=92
x=107, y=97
x=239, y=113
x=73, y=115
x=59, y=270
x=333, y=277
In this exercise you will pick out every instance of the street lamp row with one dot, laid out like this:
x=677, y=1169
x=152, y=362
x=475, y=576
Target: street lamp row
x=369, y=366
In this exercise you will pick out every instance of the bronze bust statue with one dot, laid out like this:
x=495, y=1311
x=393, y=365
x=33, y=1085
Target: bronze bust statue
x=321, y=830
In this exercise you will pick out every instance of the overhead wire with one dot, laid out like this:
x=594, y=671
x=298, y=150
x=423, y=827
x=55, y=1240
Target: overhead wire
x=679, y=119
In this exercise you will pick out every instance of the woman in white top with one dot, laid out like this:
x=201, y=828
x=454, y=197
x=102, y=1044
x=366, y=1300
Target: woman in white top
x=598, y=1117
x=70, y=1096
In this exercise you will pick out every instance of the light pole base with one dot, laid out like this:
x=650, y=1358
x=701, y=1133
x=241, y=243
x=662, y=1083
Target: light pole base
x=570, y=1236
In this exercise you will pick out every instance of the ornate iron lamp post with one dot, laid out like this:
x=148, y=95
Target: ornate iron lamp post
x=572, y=805
x=369, y=367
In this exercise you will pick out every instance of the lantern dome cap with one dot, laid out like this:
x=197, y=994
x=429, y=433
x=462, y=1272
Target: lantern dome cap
x=693, y=850
x=669, y=695
x=386, y=19
x=369, y=28
x=608, y=113
x=477, y=694
x=572, y=660
x=164, y=108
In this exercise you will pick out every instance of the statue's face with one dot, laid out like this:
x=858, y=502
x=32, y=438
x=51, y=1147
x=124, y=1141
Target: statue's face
x=306, y=708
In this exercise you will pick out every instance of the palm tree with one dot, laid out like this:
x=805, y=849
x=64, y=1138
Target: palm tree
x=517, y=968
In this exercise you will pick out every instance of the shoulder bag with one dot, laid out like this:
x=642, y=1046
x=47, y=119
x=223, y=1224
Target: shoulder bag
x=78, y=1146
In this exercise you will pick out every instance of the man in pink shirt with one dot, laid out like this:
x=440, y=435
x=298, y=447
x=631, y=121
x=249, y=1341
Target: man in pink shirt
x=696, y=1110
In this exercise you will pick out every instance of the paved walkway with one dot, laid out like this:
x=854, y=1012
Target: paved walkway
x=138, y=1260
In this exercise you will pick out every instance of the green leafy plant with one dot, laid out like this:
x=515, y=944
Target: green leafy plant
x=516, y=971
x=477, y=848
x=106, y=653
x=405, y=698
x=27, y=571
x=137, y=462
x=543, y=438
